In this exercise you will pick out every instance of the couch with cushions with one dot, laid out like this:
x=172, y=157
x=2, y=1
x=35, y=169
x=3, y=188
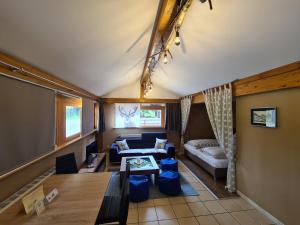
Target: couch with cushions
x=209, y=155
x=144, y=144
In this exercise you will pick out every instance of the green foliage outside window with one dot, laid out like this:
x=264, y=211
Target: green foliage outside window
x=148, y=114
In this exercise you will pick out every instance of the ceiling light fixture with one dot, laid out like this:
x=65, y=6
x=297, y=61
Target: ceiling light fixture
x=177, y=38
x=148, y=86
x=209, y=2
x=165, y=58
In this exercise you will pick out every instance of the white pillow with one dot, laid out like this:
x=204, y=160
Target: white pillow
x=160, y=143
x=216, y=152
x=202, y=143
x=122, y=145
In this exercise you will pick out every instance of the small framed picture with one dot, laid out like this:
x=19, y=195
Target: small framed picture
x=265, y=117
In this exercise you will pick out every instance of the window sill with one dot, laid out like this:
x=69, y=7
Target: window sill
x=73, y=137
x=139, y=128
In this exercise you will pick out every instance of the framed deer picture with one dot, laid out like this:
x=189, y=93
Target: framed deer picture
x=127, y=115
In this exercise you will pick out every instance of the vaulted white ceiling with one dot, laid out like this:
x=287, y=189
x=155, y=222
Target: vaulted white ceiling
x=100, y=45
x=234, y=40
x=96, y=44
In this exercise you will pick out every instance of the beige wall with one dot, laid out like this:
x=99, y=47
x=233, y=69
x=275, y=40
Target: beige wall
x=111, y=133
x=199, y=126
x=268, y=160
x=14, y=182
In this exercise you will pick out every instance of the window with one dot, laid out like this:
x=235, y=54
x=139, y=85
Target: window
x=152, y=116
x=139, y=115
x=73, y=120
x=68, y=118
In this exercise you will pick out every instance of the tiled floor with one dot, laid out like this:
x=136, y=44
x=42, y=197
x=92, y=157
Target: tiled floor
x=204, y=209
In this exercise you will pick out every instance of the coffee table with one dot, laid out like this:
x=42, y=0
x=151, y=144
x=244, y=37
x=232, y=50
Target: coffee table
x=140, y=165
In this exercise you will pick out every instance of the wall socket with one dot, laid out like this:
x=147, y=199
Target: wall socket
x=52, y=195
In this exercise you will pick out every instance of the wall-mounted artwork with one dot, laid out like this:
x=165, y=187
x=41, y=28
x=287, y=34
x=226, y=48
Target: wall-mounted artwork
x=265, y=117
x=127, y=115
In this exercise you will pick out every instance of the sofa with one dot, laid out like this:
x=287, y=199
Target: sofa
x=142, y=145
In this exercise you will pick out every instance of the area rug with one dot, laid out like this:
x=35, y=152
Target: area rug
x=216, y=187
x=113, y=188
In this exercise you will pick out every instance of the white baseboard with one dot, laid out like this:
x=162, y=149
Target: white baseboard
x=260, y=209
x=256, y=206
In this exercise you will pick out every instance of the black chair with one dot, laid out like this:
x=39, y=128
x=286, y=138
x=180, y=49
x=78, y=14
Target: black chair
x=114, y=209
x=66, y=164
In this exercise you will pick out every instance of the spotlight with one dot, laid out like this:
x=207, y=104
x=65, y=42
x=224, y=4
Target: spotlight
x=150, y=89
x=177, y=38
x=165, y=58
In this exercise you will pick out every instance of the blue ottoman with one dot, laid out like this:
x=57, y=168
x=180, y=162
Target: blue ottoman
x=138, y=188
x=169, y=183
x=169, y=164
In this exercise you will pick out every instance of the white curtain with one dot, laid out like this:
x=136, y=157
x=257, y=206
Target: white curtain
x=185, y=112
x=219, y=107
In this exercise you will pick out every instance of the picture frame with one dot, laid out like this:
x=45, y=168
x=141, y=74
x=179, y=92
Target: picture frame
x=264, y=117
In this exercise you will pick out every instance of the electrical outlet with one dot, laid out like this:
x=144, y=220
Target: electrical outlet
x=52, y=195
x=39, y=207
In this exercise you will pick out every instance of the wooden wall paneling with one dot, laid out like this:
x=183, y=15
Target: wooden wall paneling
x=283, y=77
x=198, y=98
x=273, y=72
x=138, y=100
x=281, y=81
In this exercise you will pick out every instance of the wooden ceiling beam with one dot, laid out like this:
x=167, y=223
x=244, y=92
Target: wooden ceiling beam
x=177, y=21
x=168, y=16
x=163, y=17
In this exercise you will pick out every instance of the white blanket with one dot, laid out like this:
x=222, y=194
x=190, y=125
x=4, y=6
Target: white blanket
x=217, y=163
x=216, y=152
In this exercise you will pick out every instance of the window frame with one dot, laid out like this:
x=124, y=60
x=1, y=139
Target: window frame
x=61, y=102
x=163, y=115
x=96, y=115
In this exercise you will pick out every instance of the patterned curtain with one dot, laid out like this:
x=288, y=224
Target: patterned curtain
x=185, y=112
x=219, y=108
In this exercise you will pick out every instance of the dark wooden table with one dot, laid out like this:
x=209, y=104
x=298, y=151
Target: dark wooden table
x=144, y=170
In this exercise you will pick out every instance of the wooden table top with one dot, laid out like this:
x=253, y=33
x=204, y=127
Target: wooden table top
x=78, y=203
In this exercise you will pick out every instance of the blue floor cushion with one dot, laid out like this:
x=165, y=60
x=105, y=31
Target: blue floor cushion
x=169, y=164
x=138, y=188
x=169, y=183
